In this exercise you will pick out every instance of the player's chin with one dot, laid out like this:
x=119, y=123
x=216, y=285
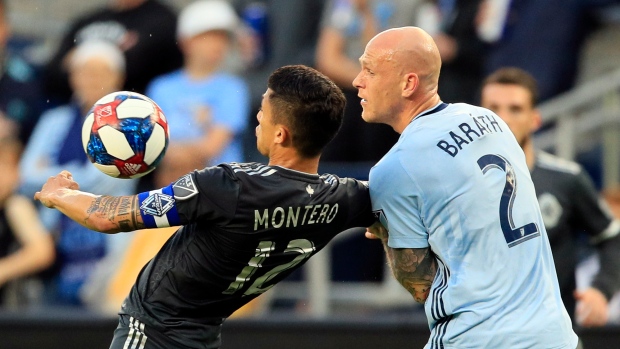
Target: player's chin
x=368, y=116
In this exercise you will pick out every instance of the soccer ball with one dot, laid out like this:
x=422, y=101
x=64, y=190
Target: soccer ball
x=125, y=135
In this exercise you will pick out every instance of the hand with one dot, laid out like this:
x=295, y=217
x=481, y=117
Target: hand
x=376, y=231
x=55, y=184
x=591, y=310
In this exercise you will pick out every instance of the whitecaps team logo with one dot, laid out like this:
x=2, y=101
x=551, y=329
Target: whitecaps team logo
x=157, y=204
x=184, y=188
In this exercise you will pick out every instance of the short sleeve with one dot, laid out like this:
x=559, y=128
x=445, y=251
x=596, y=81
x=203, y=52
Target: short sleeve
x=210, y=194
x=396, y=201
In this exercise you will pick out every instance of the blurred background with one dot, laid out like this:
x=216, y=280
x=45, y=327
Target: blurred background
x=61, y=286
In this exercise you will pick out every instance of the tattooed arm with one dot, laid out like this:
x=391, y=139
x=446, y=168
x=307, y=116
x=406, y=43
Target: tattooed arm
x=414, y=268
x=106, y=214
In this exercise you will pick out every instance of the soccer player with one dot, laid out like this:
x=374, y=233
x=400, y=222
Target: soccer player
x=245, y=226
x=463, y=231
x=568, y=200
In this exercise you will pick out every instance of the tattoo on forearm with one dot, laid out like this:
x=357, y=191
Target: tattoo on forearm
x=119, y=210
x=414, y=268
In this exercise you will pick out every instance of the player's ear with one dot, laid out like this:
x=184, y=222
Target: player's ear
x=282, y=134
x=411, y=81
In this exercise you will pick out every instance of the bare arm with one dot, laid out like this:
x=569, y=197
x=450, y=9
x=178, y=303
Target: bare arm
x=36, y=250
x=332, y=60
x=106, y=214
x=414, y=268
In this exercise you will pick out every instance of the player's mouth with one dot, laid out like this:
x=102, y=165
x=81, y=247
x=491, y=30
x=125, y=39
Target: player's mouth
x=363, y=101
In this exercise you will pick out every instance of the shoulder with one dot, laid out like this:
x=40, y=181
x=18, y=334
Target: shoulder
x=168, y=78
x=389, y=174
x=18, y=205
x=230, y=81
x=550, y=162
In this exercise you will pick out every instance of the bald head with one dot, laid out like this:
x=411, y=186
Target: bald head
x=399, y=76
x=409, y=49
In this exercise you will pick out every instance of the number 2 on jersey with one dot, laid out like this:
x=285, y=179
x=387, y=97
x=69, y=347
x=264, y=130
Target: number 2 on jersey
x=514, y=236
x=302, y=247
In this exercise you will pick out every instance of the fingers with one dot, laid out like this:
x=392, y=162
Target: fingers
x=370, y=235
x=66, y=174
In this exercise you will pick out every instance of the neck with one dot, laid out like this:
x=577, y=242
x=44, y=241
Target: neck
x=530, y=153
x=195, y=71
x=418, y=108
x=307, y=165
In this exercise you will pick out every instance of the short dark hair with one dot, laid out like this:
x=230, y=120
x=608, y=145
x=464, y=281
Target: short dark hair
x=309, y=104
x=514, y=76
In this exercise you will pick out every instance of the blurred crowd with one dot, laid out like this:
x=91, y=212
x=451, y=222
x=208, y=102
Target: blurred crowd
x=206, y=65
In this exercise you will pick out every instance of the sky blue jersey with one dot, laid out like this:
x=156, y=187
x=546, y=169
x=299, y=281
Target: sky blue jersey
x=457, y=181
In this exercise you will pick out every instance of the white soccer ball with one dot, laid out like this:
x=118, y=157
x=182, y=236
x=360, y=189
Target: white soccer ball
x=125, y=135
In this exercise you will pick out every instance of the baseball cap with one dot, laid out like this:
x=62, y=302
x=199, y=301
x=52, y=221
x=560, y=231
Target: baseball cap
x=101, y=50
x=205, y=15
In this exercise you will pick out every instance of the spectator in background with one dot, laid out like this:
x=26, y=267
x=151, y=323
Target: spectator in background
x=21, y=98
x=462, y=52
x=567, y=198
x=95, y=69
x=206, y=107
x=142, y=29
x=346, y=27
x=25, y=246
x=543, y=38
x=286, y=33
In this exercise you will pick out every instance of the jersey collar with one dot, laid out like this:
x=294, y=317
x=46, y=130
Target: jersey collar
x=439, y=107
x=295, y=173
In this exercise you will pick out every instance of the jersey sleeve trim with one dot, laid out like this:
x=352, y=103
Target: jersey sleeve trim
x=417, y=242
x=158, y=208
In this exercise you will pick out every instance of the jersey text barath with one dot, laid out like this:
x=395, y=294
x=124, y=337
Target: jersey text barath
x=468, y=132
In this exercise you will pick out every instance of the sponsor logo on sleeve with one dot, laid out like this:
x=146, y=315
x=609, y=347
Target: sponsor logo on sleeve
x=157, y=204
x=184, y=188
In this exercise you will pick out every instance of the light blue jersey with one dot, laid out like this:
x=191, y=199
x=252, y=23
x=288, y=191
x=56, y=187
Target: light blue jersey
x=189, y=105
x=457, y=182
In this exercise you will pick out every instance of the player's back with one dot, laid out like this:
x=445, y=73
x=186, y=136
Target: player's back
x=496, y=285
x=247, y=226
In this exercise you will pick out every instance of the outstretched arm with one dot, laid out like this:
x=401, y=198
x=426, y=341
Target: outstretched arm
x=414, y=268
x=106, y=214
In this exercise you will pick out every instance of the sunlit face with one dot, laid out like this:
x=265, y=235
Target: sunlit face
x=208, y=48
x=379, y=87
x=513, y=103
x=94, y=79
x=266, y=129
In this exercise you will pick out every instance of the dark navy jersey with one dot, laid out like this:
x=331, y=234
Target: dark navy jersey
x=570, y=204
x=244, y=228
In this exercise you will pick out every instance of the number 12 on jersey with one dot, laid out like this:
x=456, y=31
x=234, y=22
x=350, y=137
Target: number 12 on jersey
x=301, y=247
x=514, y=236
